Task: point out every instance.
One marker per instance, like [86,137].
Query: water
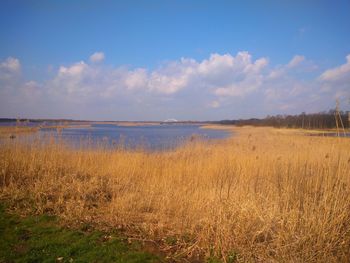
[152,137]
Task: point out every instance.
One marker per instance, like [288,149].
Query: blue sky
[153,60]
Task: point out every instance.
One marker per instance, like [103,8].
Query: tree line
[321,120]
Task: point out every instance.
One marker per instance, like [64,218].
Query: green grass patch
[41,239]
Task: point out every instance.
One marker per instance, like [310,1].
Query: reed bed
[8,131]
[266,195]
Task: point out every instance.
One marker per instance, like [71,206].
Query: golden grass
[6,131]
[265,195]
[12,131]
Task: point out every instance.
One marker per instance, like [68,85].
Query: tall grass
[263,196]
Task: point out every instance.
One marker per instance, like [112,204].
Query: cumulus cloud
[172,77]
[71,79]
[97,57]
[184,85]
[335,81]
[246,77]
[219,74]
[136,79]
[9,68]
[341,73]
[11,64]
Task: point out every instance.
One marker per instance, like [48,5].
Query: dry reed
[262,196]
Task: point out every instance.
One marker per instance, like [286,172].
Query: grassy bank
[42,239]
[13,131]
[261,196]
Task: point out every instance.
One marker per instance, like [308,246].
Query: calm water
[154,137]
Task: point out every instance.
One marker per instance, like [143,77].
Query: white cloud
[11,64]
[71,79]
[31,90]
[226,79]
[340,73]
[335,82]
[296,60]
[10,69]
[239,76]
[166,84]
[97,57]
[173,76]
[74,70]
[136,79]
[242,88]
[218,64]
[223,75]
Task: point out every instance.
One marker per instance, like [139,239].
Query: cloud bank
[220,86]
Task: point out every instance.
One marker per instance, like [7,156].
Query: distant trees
[321,120]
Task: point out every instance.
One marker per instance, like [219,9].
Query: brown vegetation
[7,131]
[12,131]
[262,196]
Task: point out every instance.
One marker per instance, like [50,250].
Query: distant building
[169,121]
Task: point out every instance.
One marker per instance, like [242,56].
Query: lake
[151,137]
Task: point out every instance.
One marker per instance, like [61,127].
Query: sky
[188,60]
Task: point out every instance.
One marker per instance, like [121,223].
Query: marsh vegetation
[265,195]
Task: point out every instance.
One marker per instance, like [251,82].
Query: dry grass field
[7,131]
[265,195]
[13,131]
